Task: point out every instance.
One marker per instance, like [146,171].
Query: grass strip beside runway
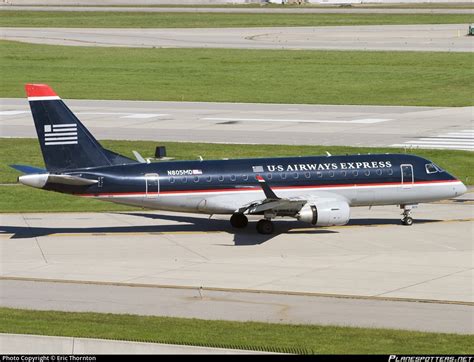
[240,335]
[117,19]
[26,151]
[238,75]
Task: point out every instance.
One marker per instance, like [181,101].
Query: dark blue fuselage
[279,172]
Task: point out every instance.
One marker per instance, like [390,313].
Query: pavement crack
[36,240]
[423,282]
[186,248]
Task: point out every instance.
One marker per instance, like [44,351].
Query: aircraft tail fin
[65,142]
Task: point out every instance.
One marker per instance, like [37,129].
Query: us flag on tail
[60,134]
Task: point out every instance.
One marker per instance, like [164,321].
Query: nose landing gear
[407,220]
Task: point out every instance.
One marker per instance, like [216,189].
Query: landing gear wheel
[406,215]
[239,220]
[265,227]
[408,221]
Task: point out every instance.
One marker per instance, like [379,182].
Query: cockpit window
[438,168]
[430,168]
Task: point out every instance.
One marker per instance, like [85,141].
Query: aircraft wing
[272,202]
[321,209]
[282,206]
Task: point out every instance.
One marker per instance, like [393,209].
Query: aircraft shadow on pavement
[378,222]
[242,237]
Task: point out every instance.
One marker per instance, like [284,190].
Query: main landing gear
[265,227]
[240,221]
[406,215]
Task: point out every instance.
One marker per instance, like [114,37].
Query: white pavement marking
[365,121]
[12,113]
[460,140]
[122,114]
[142,115]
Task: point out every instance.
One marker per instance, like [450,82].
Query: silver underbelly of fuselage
[226,202]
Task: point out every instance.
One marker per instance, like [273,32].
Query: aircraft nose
[460,189]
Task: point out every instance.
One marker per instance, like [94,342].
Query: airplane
[318,190]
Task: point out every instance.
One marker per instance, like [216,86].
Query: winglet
[266,189]
[43,92]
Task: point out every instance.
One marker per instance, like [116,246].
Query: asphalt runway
[294,124]
[373,265]
[249,10]
[442,37]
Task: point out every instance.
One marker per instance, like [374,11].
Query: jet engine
[325,213]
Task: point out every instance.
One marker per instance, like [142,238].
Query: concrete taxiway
[440,37]
[236,305]
[411,127]
[374,266]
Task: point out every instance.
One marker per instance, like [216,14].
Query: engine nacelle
[325,213]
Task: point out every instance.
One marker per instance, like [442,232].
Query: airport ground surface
[137,252]
[373,272]
[440,37]
[245,10]
[425,127]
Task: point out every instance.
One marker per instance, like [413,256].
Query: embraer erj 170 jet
[319,190]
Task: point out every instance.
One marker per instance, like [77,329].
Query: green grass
[437,5]
[119,19]
[18,198]
[232,75]
[248,335]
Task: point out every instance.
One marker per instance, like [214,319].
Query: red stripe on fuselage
[253,188]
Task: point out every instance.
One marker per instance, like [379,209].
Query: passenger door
[152,185]
[407,176]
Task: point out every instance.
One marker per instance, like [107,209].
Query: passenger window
[269,176]
[331,173]
[232,177]
[209,178]
[319,174]
[283,176]
[184,179]
[295,175]
[430,168]
[390,172]
[379,172]
[344,173]
[245,177]
[355,173]
[307,175]
[220,178]
[196,179]
[367,172]
[171,180]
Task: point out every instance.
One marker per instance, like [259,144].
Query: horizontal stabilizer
[39,180]
[139,157]
[70,180]
[28,169]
